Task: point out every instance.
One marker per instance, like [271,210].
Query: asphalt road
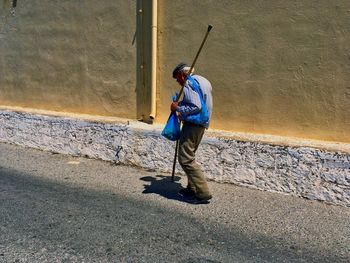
[57,208]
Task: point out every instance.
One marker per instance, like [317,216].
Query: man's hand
[174,106]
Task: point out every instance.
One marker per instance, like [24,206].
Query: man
[194,101]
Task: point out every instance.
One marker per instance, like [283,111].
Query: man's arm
[191,102]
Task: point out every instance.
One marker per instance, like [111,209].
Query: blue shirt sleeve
[191,102]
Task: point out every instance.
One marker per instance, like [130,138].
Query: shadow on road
[42,219]
[163,186]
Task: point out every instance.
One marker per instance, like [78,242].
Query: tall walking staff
[181,91]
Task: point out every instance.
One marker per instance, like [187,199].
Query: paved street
[57,208]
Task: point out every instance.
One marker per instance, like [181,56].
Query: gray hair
[182,67]
[187,70]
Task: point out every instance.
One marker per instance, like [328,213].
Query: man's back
[206,88]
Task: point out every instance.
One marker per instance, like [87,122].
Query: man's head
[180,72]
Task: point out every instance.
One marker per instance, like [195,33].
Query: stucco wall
[277,67]
[73,56]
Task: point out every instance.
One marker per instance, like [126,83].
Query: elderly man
[197,99]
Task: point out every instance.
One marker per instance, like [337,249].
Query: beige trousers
[191,136]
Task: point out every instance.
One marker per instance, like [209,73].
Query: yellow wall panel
[72,56]
[277,67]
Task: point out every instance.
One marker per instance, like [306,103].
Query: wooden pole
[181,91]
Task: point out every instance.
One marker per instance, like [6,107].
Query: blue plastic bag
[171,130]
[201,117]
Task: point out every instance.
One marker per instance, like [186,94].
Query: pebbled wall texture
[316,174]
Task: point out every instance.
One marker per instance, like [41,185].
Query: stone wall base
[317,174]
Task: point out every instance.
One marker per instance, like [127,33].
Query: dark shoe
[199,201]
[187,192]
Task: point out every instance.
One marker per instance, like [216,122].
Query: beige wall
[73,56]
[277,67]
